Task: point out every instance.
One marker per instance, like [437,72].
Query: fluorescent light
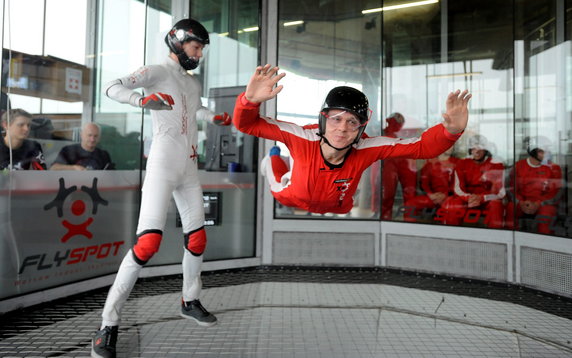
[292,23]
[463,74]
[223,34]
[251,29]
[400,6]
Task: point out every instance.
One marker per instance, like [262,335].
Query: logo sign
[75,230]
[78,208]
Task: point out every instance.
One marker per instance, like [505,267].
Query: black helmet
[348,99]
[183,31]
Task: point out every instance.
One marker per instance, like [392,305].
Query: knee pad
[196,241]
[147,244]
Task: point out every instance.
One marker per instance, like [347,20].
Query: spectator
[478,187]
[85,155]
[534,185]
[437,183]
[16,151]
[394,171]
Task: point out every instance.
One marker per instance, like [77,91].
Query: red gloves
[157,101]
[222,119]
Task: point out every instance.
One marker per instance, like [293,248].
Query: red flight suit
[484,179]
[436,177]
[536,183]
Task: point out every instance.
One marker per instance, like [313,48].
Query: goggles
[336,121]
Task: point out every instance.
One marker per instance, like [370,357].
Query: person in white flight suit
[173,96]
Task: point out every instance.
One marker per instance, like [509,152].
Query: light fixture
[400,6]
[462,74]
[251,29]
[292,23]
[223,34]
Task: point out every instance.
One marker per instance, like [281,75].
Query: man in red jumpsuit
[437,183]
[330,157]
[534,184]
[395,170]
[478,188]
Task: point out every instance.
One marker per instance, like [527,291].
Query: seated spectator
[85,155]
[437,183]
[534,186]
[478,187]
[16,151]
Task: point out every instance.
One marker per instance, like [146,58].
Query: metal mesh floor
[307,312]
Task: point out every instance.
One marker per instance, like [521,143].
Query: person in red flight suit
[395,170]
[329,157]
[534,184]
[478,188]
[437,183]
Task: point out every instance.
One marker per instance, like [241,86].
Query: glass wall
[540,180]
[42,74]
[62,226]
[229,158]
[511,167]
[322,45]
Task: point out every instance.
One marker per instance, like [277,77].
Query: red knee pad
[196,241]
[147,244]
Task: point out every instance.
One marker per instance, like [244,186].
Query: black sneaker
[103,344]
[195,311]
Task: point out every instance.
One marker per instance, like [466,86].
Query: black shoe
[103,344]
[195,311]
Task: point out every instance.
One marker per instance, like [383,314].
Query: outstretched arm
[262,84]
[457,114]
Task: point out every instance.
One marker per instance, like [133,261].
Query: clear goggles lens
[337,120]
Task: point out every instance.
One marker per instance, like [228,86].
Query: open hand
[457,114]
[261,86]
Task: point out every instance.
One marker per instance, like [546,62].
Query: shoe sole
[200,323]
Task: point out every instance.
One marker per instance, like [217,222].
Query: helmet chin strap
[188,63]
[328,143]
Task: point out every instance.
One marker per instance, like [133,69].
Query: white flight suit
[171,170]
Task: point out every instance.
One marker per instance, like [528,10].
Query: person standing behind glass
[395,171]
[16,151]
[85,155]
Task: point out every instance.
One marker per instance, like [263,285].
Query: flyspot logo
[77,209]
[74,220]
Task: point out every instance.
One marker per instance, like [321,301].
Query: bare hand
[457,114]
[474,200]
[261,86]
[437,198]
[529,207]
